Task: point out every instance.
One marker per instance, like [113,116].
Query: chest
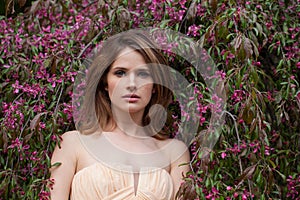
[135,153]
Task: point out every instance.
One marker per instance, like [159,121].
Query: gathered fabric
[101,182]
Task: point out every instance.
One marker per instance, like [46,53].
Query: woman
[123,150]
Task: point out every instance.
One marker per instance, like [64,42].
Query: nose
[131,86]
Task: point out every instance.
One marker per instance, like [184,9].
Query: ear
[153,91]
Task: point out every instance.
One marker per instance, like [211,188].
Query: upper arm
[63,174]
[180,165]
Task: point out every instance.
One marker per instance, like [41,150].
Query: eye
[120,73]
[144,74]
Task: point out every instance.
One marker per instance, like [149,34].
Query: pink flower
[244,197]
[223,155]
[269,96]
[15,143]
[221,74]
[228,188]
[298,96]
[42,125]
[235,195]
[238,96]
[241,121]
[194,30]
[229,57]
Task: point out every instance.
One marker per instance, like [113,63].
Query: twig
[238,137]
[235,127]
[89,44]
[56,107]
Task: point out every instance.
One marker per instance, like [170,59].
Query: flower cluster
[293,185]
[255,48]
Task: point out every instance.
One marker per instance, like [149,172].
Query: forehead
[129,58]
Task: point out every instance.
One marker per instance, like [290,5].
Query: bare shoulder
[71,135]
[65,150]
[174,148]
[179,144]
[70,138]
[172,143]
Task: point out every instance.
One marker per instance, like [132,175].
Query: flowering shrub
[255,45]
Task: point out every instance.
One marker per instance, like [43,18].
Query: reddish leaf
[41,137]
[9,8]
[21,2]
[253,125]
[101,3]
[248,47]
[186,191]
[191,13]
[5,140]
[248,115]
[246,174]
[27,137]
[214,4]
[53,65]
[2,85]
[35,121]
[236,42]
[34,6]
[270,180]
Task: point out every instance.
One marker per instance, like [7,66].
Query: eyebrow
[124,68]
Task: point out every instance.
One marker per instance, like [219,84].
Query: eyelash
[144,74]
[121,73]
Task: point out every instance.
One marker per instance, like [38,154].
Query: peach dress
[99,181]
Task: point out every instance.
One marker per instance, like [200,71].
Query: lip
[131,96]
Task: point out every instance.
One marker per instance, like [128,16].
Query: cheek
[112,86]
[148,89]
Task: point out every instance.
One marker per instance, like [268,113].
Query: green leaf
[259,29]
[57,164]
[164,23]
[280,174]
[259,178]
[272,163]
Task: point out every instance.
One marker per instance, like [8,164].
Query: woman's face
[129,82]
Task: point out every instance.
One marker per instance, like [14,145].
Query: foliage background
[254,43]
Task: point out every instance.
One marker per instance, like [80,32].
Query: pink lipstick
[131,98]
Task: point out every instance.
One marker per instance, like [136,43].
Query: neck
[129,123]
